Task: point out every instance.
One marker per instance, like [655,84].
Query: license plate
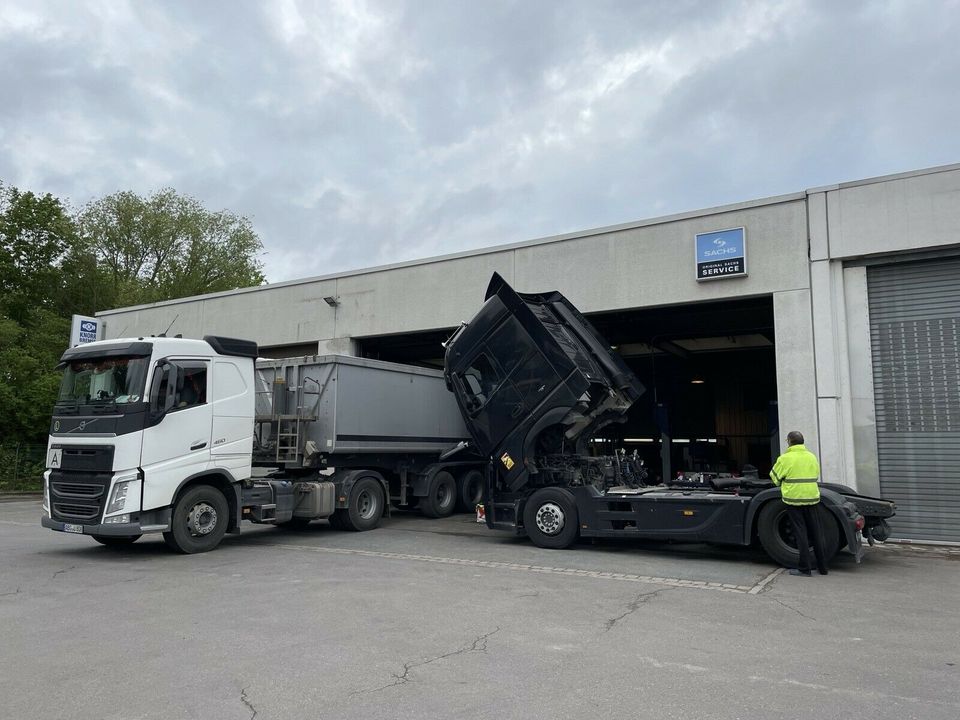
[67,527]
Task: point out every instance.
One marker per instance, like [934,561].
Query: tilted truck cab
[535,382]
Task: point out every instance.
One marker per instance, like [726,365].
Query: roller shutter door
[915,336]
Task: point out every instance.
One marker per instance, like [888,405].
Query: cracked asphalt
[445,619]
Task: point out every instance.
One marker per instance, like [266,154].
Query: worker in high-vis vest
[797,472]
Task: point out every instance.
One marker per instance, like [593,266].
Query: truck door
[492,403]
[176,445]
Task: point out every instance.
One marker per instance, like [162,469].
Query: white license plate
[67,527]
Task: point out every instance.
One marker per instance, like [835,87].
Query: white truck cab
[141,424]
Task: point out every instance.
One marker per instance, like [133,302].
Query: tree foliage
[120,250]
[144,250]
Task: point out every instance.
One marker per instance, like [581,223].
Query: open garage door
[710,374]
[915,338]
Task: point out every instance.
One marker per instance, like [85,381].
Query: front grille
[77,490]
[78,496]
[76,512]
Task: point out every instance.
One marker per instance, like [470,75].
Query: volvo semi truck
[190,437]
[535,383]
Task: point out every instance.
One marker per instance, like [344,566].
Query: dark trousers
[806,528]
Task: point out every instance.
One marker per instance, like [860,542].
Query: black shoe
[801,573]
[823,571]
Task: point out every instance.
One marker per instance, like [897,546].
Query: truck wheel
[441,497]
[365,507]
[199,521]
[116,540]
[470,486]
[776,534]
[550,518]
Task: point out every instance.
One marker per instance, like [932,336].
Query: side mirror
[161,391]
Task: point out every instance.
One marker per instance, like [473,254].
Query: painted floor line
[756,589]
[543,569]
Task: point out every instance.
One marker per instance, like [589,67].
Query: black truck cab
[535,382]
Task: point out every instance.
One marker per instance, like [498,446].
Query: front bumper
[154,521]
[111,529]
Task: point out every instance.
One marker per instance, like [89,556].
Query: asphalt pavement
[446,619]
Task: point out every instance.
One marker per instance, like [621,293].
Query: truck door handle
[518,408]
[198,446]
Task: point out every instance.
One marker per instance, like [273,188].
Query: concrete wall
[627,266]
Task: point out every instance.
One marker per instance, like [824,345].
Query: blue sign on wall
[721,254]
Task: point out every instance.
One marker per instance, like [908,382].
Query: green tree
[137,250]
[36,232]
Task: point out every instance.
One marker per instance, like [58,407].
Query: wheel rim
[550,518]
[202,519]
[367,504]
[785,531]
[443,495]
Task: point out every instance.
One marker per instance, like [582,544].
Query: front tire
[199,521]
[550,518]
[116,540]
[777,538]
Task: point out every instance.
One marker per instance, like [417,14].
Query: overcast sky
[360,133]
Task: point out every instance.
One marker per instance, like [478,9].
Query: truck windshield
[115,380]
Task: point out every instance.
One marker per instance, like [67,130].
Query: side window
[479,381]
[191,384]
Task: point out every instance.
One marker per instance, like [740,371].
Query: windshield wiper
[66,406]
[101,405]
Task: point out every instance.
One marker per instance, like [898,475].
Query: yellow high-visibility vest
[796,472]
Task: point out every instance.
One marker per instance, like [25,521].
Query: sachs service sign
[721,254]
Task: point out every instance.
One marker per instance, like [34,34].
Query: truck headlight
[119,498]
[125,496]
[46,491]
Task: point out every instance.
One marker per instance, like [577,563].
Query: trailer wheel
[550,518]
[199,520]
[470,486]
[116,540]
[365,507]
[441,497]
[778,540]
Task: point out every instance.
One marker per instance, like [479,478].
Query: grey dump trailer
[535,382]
[365,433]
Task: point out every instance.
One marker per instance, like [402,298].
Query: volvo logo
[56,426]
[82,425]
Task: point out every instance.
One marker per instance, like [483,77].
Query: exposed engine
[603,472]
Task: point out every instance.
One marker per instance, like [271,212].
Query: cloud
[359,133]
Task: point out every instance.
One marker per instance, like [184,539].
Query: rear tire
[550,518]
[441,498]
[470,491]
[199,521]
[365,508]
[776,534]
[116,540]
